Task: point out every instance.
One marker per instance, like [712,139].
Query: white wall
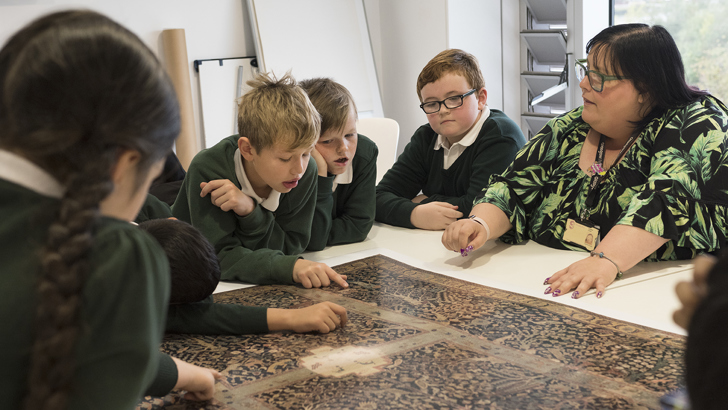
[214,29]
[412,32]
[475,26]
[405,35]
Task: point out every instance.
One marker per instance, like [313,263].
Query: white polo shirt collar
[452,153]
[345,177]
[20,171]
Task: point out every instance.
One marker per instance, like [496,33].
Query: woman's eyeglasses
[596,79]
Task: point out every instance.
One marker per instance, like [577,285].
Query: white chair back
[385,133]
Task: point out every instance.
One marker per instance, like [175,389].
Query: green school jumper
[347,214]
[208,318]
[153,208]
[258,248]
[205,317]
[420,168]
[124,305]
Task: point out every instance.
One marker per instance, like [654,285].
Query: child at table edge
[347,169]
[452,157]
[253,195]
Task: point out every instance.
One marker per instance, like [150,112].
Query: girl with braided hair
[87,116]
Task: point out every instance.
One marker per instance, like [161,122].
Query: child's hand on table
[435,216]
[323,317]
[199,382]
[315,275]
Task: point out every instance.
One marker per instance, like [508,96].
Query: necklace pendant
[597,169]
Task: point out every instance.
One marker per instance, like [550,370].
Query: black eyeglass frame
[580,64]
[441,103]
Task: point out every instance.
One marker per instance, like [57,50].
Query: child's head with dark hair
[706,355]
[193,262]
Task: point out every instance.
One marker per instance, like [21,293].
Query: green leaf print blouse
[673,182]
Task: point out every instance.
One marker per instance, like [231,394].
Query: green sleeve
[153,208]
[207,318]
[244,254]
[166,377]
[404,181]
[125,304]
[288,229]
[494,150]
[356,204]
[322,216]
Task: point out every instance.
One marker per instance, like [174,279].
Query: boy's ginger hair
[451,61]
[332,100]
[277,111]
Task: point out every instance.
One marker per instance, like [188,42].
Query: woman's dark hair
[193,261]
[650,58]
[77,90]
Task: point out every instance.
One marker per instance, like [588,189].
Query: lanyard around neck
[598,177]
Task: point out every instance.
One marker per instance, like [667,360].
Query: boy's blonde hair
[332,100]
[277,111]
[451,61]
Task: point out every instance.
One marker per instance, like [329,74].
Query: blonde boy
[347,169]
[253,195]
[451,158]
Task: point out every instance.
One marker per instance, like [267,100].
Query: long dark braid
[77,89]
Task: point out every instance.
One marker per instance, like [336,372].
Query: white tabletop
[646,294]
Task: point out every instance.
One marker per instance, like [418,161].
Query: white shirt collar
[18,170]
[470,137]
[345,177]
[270,203]
[452,152]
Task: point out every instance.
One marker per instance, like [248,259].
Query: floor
[421,340]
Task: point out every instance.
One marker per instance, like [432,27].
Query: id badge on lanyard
[583,232]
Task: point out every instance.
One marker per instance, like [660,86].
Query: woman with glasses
[639,172]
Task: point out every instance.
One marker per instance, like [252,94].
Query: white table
[645,296]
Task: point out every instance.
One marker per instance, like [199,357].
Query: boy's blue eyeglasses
[455,101]
[596,79]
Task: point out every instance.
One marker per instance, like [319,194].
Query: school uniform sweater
[261,247]
[347,214]
[209,318]
[420,168]
[153,208]
[124,305]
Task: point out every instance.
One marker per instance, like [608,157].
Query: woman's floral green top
[672,182]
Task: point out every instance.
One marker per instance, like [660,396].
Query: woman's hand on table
[588,273]
[462,234]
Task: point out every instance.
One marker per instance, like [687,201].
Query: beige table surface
[644,296]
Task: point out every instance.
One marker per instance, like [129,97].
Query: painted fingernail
[469,248]
[547,291]
[546,282]
[575,295]
[557,292]
[599,295]
[462,250]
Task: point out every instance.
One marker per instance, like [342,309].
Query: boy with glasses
[449,160]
